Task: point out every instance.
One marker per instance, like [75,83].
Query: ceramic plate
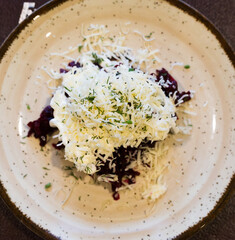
[202,165]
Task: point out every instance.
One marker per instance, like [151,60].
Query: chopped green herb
[96,59]
[28,107]
[144,128]
[22,142]
[131,69]
[25,176]
[186,66]
[68,168]
[80,48]
[48,185]
[128,122]
[68,89]
[81,158]
[79,198]
[119,110]
[90,99]
[87,170]
[45,168]
[72,174]
[99,110]
[150,35]
[149,116]
[136,105]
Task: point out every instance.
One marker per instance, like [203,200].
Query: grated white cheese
[108,108]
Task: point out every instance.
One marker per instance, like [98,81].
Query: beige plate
[202,166]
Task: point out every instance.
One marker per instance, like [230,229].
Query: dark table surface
[222,14]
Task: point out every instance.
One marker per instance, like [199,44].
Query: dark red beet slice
[70,64]
[121,160]
[62,70]
[73,64]
[116,196]
[170,87]
[40,128]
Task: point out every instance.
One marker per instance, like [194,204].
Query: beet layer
[41,128]
[170,86]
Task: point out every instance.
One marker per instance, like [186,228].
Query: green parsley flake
[45,168]
[186,66]
[48,185]
[150,35]
[72,174]
[97,60]
[128,122]
[80,48]
[144,128]
[88,170]
[68,89]
[28,107]
[90,99]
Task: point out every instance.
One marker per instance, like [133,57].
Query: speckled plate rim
[229,191]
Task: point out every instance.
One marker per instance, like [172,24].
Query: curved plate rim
[186,8]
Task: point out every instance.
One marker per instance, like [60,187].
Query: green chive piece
[150,35]
[128,122]
[67,89]
[131,69]
[48,185]
[80,48]
[186,66]
[96,59]
[28,107]
[90,98]
[45,168]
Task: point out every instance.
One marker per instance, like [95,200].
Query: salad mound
[111,116]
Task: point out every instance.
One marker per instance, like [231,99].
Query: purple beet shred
[116,196]
[70,64]
[74,64]
[122,158]
[62,70]
[170,86]
[40,128]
